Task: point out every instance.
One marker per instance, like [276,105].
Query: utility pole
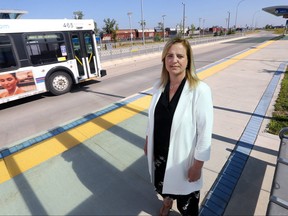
[163,16]
[228,20]
[129,15]
[200,26]
[203,27]
[183,20]
[142,23]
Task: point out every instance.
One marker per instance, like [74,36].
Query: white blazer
[191,135]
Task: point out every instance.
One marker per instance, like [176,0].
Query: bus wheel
[59,83]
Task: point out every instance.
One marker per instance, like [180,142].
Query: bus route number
[68,25]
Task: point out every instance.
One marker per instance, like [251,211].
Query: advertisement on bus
[16,83]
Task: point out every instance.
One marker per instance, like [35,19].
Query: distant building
[11,14]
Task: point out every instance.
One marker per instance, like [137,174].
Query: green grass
[280,114]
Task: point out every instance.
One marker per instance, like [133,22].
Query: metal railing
[278,202]
[136,50]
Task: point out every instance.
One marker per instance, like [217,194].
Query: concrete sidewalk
[105,172]
[243,102]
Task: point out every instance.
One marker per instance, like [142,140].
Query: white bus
[37,56]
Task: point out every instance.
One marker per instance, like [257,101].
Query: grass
[280,114]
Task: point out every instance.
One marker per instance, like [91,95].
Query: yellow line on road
[219,67]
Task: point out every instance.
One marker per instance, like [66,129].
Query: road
[35,115]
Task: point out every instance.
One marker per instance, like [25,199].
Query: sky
[206,13]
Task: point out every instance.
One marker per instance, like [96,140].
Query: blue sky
[214,12]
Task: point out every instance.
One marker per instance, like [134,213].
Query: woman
[179,131]
[9,82]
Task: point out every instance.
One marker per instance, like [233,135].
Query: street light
[237,13]
[253,20]
[163,16]
[183,20]
[142,23]
[129,15]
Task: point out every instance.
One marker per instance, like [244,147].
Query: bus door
[84,53]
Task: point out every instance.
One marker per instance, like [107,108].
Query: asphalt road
[34,115]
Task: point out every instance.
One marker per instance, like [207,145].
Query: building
[11,14]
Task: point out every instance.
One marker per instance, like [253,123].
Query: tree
[161,25]
[192,29]
[180,28]
[110,26]
[78,15]
[268,27]
[96,30]
[142,24]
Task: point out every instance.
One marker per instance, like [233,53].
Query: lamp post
[129,15]
[142,23]
[183,20]
[237,12]
[252,25]
[163,16]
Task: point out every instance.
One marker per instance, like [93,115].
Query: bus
[48,55]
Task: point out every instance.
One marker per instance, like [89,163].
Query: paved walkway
[96,166]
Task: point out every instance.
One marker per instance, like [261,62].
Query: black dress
[164,112]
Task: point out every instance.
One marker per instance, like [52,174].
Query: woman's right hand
[145,146]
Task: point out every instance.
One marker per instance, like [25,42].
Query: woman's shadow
[116,190]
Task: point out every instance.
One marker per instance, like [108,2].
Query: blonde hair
[190,73]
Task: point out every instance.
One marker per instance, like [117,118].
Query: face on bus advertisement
[16,83]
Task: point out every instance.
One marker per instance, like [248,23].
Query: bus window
[77,53]
[46,48]
[7,59]
[84,53]
[90,51]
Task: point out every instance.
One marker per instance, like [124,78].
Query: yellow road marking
[4,174]
[30,157]
[219,67]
